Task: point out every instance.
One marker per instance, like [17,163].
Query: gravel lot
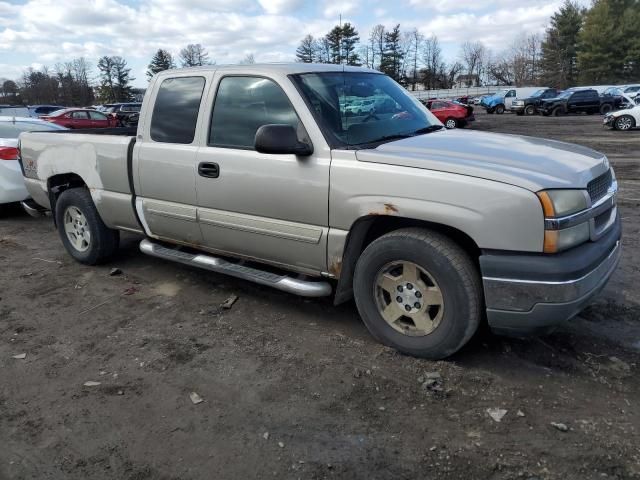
[296,388]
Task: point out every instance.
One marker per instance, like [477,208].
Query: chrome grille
[599,186]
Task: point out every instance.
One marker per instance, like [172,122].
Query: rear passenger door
[269,207]
[80,120]
[165,159]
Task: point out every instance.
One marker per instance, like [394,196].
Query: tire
[448,268]
[520,114]
[605,108]
[529,110]
[500,109]
[556,112]
[451,123]
[624,123]
[101,242]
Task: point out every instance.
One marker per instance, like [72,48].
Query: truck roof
[281,68]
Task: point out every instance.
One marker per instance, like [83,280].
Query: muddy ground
[296,388]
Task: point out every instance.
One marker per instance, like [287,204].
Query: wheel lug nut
[399,299]
[400,288]
[418,294]
[409,286]
[407,308]
[417,305]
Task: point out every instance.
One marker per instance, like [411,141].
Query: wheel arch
[60,182]
[371,227]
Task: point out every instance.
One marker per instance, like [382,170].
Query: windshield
[359,109]
[537,93]
[566,94]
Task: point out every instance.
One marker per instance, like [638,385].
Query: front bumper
[517,108]
[608,121]
[531,294]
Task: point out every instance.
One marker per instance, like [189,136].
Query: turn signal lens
[547,204]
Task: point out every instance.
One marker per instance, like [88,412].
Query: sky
[43,32]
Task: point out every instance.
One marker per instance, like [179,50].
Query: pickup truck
[576,101]
[255,171]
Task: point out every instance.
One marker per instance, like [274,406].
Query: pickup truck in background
[576,101]
[257,171]
[501,101]
[530,104]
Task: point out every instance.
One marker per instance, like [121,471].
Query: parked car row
[451,114]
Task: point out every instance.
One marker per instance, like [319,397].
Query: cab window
[175,113]
[244,104]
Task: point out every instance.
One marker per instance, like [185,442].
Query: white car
[623,119]
[12,187]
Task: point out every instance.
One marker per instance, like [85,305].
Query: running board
[304,288]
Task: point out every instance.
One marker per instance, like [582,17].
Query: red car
[452,114]
[80,118]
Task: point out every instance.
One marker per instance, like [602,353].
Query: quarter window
[244,104]
[175,112]
[79,115]
[97,116]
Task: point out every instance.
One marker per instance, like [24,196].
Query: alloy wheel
[408,298]
[77,229]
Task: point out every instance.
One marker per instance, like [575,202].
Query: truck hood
[527,162]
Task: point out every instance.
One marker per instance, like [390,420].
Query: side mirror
[280,140]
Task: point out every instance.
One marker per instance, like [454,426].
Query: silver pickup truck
[264,172]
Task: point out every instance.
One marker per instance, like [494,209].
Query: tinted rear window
[175,112]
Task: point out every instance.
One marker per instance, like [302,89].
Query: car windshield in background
[13,130]
[360,109]
[537,93]
[567,94]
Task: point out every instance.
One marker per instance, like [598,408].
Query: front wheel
[530,110]
[500,109]
[556,112]
[451,123]
[624,122]
[84,235]
[418,292]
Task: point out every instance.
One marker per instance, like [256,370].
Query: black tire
[557,112]
[605,108]
[453,271]
[530,110]
[624,123]
[103,240]
[500,109]
[451,123]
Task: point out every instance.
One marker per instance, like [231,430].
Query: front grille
[599,186]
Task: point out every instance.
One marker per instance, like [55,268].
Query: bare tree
[376,39]
[474,55]
[432,60]
[248,59]
[194,55]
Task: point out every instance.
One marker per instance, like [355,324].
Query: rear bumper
[531,294]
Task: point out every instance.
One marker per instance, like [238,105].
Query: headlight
[562,203]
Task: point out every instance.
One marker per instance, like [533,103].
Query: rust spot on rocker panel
[335,267]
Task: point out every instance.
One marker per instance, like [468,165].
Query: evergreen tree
[392,55]
[560,46]
[349,40]
[115,79]
[334,42]
[609,45]
[306,51]
[162,60]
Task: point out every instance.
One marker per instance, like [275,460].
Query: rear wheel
[557,112]
[624,122]
[418,292]
[500,109]
[451,123]
[83,233]
[530,110]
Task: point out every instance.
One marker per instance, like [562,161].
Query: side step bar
[33,209]
[298,286]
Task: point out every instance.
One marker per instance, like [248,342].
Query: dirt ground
[295,388]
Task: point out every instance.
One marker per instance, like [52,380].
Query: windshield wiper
[429,129]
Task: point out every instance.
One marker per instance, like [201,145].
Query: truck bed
[101,158]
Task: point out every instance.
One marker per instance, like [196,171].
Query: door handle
[209,170]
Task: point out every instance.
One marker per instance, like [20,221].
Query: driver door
[273,208]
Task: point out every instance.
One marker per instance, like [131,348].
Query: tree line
[76,82]
[581,46]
